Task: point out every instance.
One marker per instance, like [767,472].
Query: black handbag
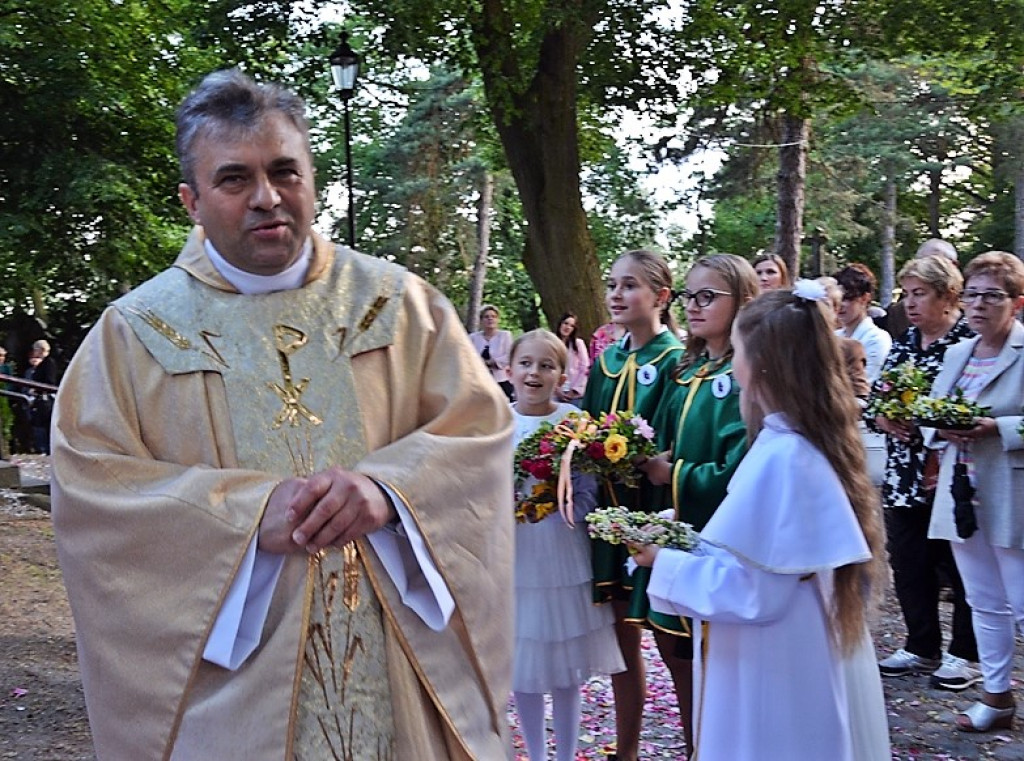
[963,502]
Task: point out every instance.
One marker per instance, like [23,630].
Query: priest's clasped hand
[330,508]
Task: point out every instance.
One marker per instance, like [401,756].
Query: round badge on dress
[721,386]
[647,374]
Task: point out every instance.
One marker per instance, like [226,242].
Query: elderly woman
[990,370]
[43,369]
[931,288]
[493,346]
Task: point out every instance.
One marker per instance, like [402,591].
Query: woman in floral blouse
[931,288]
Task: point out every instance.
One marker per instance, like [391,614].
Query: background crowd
[685,383]
[379,466]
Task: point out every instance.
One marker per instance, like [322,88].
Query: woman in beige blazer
[990,369]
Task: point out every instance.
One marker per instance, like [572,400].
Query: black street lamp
[344,70]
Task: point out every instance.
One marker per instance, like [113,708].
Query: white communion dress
[562,637]
[769,683]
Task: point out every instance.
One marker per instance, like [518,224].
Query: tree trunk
[934,198]
[483,248]
[1018,210]
[888,256]
[538,130]
[791,180]
[39,306]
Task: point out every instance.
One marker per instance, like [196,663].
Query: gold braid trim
[626,376]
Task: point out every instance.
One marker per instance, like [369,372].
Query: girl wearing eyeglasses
[990,370]
[699,423]
[631,374]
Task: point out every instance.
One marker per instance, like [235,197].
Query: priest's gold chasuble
[286,364]
[185,406]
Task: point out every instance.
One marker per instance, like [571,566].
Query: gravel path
[42,713]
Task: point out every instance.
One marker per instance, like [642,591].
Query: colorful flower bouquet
[898,388]
[606,446]
[954,412]
[616,525]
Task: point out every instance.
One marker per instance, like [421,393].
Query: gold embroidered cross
[288,340]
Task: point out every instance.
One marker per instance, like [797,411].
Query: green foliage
[88,176]
[88,89]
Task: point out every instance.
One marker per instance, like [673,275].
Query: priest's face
[253,194]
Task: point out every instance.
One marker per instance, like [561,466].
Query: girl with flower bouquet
[700,425]
[631,374]
[780,582]
[562,639]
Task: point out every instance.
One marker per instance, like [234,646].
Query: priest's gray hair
[228,102]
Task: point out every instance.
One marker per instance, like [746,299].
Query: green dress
[699,420]
[634,380]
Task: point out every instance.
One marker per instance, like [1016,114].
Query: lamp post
[344,70]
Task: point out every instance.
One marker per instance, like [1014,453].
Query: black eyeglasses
[987,297]
[704,297]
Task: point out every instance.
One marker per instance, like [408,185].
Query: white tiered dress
[562,637]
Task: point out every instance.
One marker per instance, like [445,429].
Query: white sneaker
[954,674]
[901,662]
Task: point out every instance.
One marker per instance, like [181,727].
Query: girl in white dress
[782,578]
[562,638]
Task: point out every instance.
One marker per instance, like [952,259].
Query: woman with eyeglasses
[932,286]
[858,284]
[989,369]
[493,346]
[699,423]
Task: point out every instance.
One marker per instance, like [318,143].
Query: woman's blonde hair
[1006,268]
[937,272]
[741,282]
[656,275]
[796,364]
[546,337]
[779,262]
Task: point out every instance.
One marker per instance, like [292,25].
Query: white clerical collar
[251,284]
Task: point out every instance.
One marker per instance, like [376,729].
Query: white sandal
[982,717]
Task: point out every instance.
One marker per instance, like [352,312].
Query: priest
[281,486]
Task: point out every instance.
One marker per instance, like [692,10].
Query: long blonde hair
[795,362]
[741,281]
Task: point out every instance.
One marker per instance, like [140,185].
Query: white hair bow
[810,290]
